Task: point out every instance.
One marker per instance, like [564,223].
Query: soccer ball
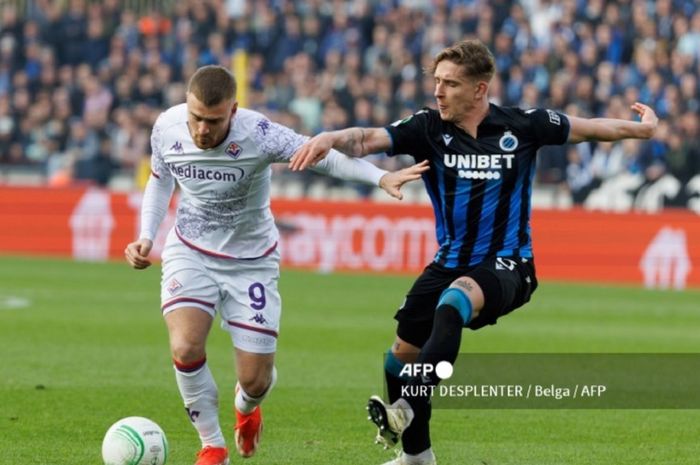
[135,441]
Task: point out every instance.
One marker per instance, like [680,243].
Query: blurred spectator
[129,140]
[551,165]
[652,157]
[97,43]
[99,167]
[308,106]
[579,176]
[76,73]
[608,161]
[73,33]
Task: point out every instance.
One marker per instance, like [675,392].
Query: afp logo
[508,142]
[442,369]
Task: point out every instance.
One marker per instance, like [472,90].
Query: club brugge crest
[508,142]
[233,150]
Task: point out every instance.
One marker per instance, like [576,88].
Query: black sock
[443,344]
[393,386]
[444,341]
[416,438]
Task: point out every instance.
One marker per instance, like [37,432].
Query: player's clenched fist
[136,253]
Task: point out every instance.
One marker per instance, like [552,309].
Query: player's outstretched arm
[609,129]
[136,253]
[355,142]
[393,180]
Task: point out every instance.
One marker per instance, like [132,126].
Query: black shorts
[507,283]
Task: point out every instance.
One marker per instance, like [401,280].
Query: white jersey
[224,206]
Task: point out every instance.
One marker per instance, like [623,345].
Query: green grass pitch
[82,345]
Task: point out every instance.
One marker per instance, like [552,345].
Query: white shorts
[244,292]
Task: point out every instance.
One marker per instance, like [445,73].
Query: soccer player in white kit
[222,253]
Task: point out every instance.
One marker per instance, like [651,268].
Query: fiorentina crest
[233,150]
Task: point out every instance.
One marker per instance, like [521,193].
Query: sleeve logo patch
[554,117]
[263,126]
[177,147]
[402,121]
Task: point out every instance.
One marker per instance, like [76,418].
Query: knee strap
[459,300]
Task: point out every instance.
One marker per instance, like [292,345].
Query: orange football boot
[248,431]
[212,456]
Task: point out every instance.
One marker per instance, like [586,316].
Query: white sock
[246,403]
[424,457]
[403,405]
[200,394]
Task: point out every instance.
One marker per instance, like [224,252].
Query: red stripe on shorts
[187,299]
[269,332]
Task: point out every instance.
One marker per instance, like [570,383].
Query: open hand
[645,113]
[311,152]
[392,181]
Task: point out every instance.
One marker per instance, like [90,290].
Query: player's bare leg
[256,378]
[188,328]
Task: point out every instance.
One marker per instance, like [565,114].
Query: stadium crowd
[81,82]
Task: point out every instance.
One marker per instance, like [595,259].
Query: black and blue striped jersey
[480,188]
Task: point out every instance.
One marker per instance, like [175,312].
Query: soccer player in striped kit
[222,255]
[482,164]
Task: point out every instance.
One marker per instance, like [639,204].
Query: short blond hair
[472,55]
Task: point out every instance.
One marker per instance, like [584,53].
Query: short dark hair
[212,84]
[472,55]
